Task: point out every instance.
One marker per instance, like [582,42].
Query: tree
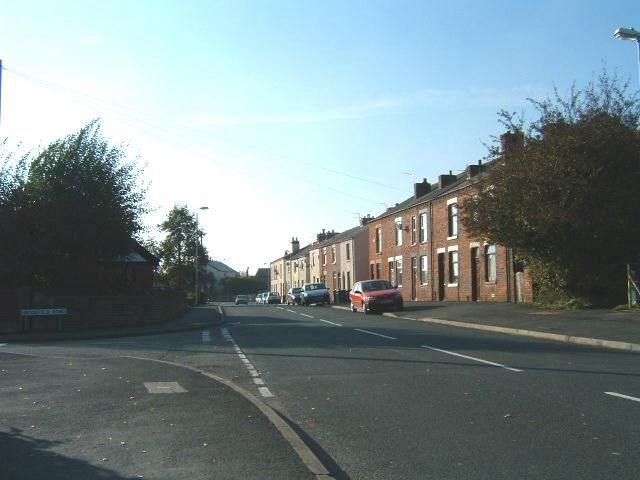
[565,196]
[178,249]
[238,285]
[76,204]
[13,258]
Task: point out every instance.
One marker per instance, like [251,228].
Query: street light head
[627,34]
[203,208]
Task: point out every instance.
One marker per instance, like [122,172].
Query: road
[374,397]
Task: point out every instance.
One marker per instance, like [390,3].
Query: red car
[370,295]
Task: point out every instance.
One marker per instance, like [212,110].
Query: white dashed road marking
[471,358]
[376,334]
[255,375]
[327,321]
[206,336]
[305,315]
[3,344]
[620,395]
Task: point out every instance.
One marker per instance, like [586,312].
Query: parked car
[375,295]
[293,296]
[259,297]
[271,297]
[314,293]
[242,299]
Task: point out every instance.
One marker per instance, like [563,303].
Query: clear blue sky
[287,117]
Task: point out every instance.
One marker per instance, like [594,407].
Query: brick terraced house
[421,246]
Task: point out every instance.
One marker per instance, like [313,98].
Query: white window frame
[424,229]
[490,263]
[398,222]
[424,270]
[452,227]
[453,249]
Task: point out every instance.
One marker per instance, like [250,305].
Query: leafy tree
[13,258]
[178,249]
[238,285]
[565,195]
[75,204]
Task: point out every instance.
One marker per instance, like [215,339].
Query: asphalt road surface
[374,398]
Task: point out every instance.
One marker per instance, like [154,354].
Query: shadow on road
[25,457]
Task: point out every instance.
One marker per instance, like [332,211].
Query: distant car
[242,299]
[259,298]
[271,297]
[375,295]
[293,296]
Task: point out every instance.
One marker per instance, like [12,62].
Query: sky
[285,118]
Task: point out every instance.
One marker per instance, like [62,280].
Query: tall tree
[565,195]
[178,249]
[79,203]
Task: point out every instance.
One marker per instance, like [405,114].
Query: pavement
[618,330]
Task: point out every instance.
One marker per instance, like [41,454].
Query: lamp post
[196,262]
[629,34]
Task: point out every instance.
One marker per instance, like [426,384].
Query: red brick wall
[502,289]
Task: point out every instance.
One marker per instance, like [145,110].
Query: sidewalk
[597,327]
[203,316]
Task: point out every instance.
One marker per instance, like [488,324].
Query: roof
[462,181]
[221,267]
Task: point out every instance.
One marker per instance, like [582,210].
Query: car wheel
[400,307]
[365,310]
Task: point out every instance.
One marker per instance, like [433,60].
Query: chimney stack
[446,180]
[421,189]
[295,245]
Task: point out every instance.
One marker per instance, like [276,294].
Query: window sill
[452,284]
[455,237]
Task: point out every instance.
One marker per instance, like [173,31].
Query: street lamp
[629,34]
[197,242]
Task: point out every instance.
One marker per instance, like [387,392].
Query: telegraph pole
[0,90]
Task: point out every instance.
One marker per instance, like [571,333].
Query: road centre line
[620,395]
[305,315]
[332,323]
[290,311]
[376,334]
[472,358]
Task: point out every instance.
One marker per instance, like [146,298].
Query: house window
[348,281]
[379,240]
[378,270]
[399,272]
[333,254]
[453,220]
[413,231]
[371,276]
[453,267]
[348,251]
[490,263]
[423,227]
[335,283]
[324,256]
[392,271]
[424,270]
[398,231]
[313,260]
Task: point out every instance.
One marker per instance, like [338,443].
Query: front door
[474,274]
[441,277]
